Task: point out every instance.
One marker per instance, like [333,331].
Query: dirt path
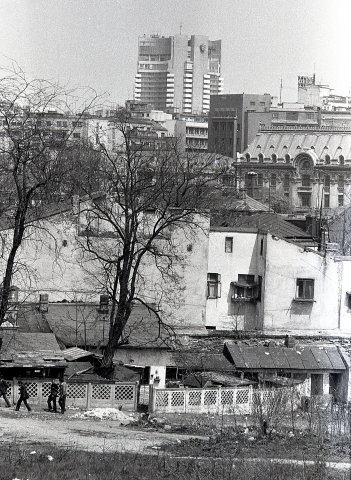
[83,434]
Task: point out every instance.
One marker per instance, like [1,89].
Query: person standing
[63,395]
[54,391]
[3,390]
[24,395]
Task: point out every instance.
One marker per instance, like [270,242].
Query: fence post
[89,395]
[152,399]
[219,396]
[136,395]
[251,407]
[112,394]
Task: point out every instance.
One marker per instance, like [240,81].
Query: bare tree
[33,155]
[148,196]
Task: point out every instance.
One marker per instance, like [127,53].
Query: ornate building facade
[308,169]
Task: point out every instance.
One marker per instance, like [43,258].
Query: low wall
[84,395]
[199,400]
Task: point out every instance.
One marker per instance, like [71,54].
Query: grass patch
[17,461]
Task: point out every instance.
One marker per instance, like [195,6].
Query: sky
[94,42]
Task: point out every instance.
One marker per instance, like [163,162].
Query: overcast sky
[94,42]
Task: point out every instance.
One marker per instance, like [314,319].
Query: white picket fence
[212,400]
[84,395]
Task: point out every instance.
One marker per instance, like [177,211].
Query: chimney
[75,204]
[103,307]
[43,303]
[290,341]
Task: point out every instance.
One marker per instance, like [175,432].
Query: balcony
[304,189]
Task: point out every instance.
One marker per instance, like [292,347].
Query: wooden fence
[83,395]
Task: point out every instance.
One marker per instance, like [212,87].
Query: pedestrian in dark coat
[24,395]
[63,395]
[3,390]
[54,391]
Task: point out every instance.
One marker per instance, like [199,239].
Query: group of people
[57,391]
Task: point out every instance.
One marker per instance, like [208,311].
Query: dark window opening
[213,285]
[304,289]
[228,245]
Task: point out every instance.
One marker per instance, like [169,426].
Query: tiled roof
[271,222]
[29,349]
[73,353]
[293,143]
[307,357]
[81,325]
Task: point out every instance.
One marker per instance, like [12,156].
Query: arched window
[260,158]
[287,158]
[248,157]
[306,165]
[327,159]
[341,159]
[274,158]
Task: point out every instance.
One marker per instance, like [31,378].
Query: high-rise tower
[178,73]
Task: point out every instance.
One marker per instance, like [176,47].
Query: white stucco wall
[52,263]
[245,258]
[286,262]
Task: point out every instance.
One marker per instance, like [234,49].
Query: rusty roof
[305,357]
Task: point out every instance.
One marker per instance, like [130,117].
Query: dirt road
[88,434]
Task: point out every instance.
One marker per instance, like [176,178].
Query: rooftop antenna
[280,90]
[180,28]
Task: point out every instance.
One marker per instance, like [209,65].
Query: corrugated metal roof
[283,358]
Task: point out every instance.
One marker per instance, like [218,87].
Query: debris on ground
[107,414]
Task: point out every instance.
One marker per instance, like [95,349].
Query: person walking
[54,391]
[3,390]
[63,395]
[24,395]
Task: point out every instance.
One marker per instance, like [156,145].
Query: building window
[286,181]
[341,160]
[274,158]
[326,201]
[213,285]
[260,180]
[287,158]
[247,156]
[327,159]
[304,289]
[341,181]
[305,199]
[76,135]
[228,180]
[273,181]
[228,245]
[327,182]
[305,181]
[245,289]
[340,200]
[260,158]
